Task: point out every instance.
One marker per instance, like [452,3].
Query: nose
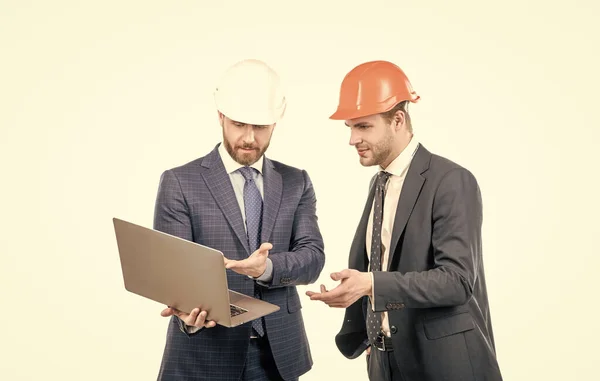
[249,135]
[354,137]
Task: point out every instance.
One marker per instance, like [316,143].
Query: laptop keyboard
[235,310]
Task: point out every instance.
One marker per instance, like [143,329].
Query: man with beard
[415,292]
[262,215]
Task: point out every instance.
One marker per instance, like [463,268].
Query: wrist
[368,284]
[260,271]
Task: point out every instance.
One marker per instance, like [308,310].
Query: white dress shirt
[398,169]
[238,180]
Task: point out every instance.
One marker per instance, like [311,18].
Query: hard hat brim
[248,115]
[359,112]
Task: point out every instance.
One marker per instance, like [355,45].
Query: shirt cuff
[267,276]
[189,329]
[192,329]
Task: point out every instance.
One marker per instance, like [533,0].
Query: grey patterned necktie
[374,319]
[253,206]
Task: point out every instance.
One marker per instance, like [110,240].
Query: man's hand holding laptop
[195,318]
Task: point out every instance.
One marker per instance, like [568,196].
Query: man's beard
[245,158]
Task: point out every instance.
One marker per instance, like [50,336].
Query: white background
[98,98]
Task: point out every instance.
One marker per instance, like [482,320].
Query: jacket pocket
[448,325]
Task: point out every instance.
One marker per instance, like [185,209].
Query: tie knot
[382,177]
[247,172]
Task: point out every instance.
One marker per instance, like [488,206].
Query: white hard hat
[251,92]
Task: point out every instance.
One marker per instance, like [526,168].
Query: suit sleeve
[171,213]
[303,263]
[171,216]
[456,241]
[352,339]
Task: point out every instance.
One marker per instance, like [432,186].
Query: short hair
[402,106]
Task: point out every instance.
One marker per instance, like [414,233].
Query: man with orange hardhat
[262,215]
[414,294]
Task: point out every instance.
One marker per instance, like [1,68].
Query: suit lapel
[358,252]
[273,186]
[218,182]
[410,192]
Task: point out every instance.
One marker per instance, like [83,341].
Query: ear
[400,119]
[273,129]
[221,119]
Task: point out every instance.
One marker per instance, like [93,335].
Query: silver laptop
[183,275]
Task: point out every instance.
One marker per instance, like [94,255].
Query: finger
[327,297]
[346,273]
[340,275]
[167,312]
[323,289]
[331,295]
[265,247]
[210,324]
[173,311]
[342,302]
[261,253]
[369,350]
[190,318]
[232,263]
[199,317]
[315,296]
[311,293]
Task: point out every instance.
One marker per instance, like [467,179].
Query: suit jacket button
[388,306]
[393,329]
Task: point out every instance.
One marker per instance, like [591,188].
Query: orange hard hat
[371,88]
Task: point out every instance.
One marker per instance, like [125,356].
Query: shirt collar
[400,164]
[232,165]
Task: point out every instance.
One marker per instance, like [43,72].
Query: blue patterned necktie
[373,318]
[253,206]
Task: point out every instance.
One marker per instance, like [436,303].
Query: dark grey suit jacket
[434,290]
[197,202]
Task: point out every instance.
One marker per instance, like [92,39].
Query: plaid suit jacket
[196,201]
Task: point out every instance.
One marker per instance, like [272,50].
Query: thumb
[230,263]
[264,248]
[341,275]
